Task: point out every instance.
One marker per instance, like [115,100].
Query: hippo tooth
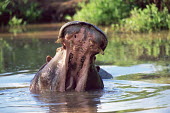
[60,40]
[71,43]
[101,52]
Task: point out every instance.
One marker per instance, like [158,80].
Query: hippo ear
[48,58]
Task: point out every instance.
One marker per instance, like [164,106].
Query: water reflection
[25,53]
[117,96]
[70,101]
[125,49]
[131,96]
[22,54]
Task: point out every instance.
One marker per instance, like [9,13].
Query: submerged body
[72,68]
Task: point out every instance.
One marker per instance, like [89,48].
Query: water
[22,54]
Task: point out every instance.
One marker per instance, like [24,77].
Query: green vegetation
[122,15]
[18,12]
[15,21]
[103,12]
[126,15]
[148,19]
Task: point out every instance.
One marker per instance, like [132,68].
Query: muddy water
[23,51]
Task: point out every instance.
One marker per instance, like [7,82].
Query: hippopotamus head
[72,68]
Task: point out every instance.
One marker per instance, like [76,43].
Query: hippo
[72,68]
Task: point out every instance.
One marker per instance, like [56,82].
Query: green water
[130,49]
[122,50]
[144,55]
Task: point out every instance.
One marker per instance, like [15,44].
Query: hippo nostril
[75,36]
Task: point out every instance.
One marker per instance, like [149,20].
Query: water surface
[23,51]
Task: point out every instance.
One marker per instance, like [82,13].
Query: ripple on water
[135,96]
[15,79]
[117,96]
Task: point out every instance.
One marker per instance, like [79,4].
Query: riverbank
[122,16]
[21,12]
[56,10]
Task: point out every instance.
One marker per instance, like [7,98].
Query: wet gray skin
[72,68]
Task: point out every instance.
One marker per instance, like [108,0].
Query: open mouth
[72,68]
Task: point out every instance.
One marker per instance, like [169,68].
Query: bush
[103,12]
[148,19]
[160,4]
[15,21]
[3,4]
[31,11]
[17,11]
